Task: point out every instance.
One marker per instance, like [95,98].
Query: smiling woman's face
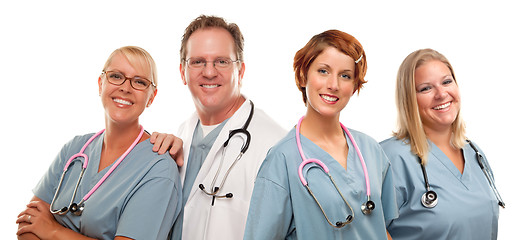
[330,82]
[124,104]
[437,94]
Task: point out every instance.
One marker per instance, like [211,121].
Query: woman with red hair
[323,180]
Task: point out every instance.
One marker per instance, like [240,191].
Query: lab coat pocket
[228,216]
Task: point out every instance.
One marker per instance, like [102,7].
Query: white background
[52,53]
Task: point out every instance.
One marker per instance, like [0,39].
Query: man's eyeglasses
[198,63]
[117,78]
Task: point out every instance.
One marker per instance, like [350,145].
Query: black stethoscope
[215,190]
[429,199]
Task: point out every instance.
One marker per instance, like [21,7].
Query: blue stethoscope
[366,208]
[430,199]
[214,190]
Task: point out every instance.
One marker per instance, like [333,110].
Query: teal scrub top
[466,209]
[199,149]
[282,208]
[140,199]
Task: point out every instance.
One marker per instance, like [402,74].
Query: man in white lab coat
[212,67]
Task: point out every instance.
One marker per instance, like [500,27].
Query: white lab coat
[226,219]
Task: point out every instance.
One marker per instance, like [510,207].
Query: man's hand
[163,141]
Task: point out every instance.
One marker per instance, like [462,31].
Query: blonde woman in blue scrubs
[140,199]
[328,70]
[431,132]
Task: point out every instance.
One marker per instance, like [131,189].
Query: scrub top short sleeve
[149,212]
[466,209]
[45,188]
[282,208]
[140,199]
[270,207]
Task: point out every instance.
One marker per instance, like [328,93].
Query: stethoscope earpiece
[340,224]
[63,211]
[429,199]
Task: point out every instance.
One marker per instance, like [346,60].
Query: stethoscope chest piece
[429,199]
[77,209]
[368,207]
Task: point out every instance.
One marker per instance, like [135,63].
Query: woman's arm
[37,222]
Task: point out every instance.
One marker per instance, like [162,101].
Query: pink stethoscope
[77,208]
[366,207]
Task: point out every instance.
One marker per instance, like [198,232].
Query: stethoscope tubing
[363,163]
[81,153]
[430,203]
[305,161]
[366,207]
[429,199]
[487,172]
[115,165]
[215,190]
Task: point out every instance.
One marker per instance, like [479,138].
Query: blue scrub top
[140,199]
[282,208]
[467,207]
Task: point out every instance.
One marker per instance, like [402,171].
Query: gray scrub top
[282,208]
[140,199]
[466,209]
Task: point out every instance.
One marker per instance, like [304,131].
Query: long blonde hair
[410,127]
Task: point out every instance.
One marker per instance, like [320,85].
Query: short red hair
[343,42]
